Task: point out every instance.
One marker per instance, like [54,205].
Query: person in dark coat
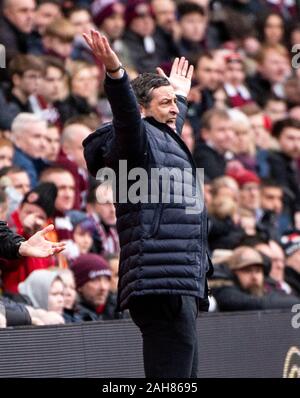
[244,290]
[290,243]
[163,259]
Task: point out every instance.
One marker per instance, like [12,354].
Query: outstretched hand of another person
[180,77]
[39,246]
[103,52]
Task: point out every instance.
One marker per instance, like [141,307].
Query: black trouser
[168,326]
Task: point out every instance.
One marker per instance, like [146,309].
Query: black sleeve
[182,106]
[127,121]
[9,242]
[16,313]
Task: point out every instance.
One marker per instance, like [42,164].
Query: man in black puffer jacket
[163,260]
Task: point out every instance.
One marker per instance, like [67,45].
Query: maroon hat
[243,177]
[137,8]
[88,267]
[102,9]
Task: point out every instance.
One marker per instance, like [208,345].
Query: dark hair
[189,8]
[280,125]
[270,183]
[144,84]
[24,62]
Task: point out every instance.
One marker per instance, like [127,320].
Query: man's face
[29,83]
[165,13]
[275,67]
[59,47]
[272,199]
[96,291]
[73,148]
[32,217]
[21,14]
[66,190]
[289,142]
[82,22]
[6,156]
[52,85]
[276,110]
[104,206]
[114,25]
[163,106]
[53,143]
[20,182]
[143,25]
[234,73]
[45,14]
[35,144]
[221,134]
[251,279]
[250,196]
[207,74]
[262,136]
[193,27]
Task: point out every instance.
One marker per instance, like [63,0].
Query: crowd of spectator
[242,127]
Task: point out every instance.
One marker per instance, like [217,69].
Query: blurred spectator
[58,39]
[167,30]
[244,290]
[273,69]
[290,243]
[6,153]
[70,312]
[29,134]
[81,19]
[71,159]
[193,24]
[235,87]
[275,253]
[139,36]
[201,97]
[15,25]
[53,143]
[100,206]
[187,136]
[46,12]
[218,134]
[113,261]
[271,28]
[275,108]
[109,17]
[85,233]
[283,167]
[18,179]
[244,143]
[93,279]
[44,289]
[25,73]
[34,213]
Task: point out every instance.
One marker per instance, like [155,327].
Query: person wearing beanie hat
[139,36]
[93,278]
[44,196]
[84,232]
[290,243]
[103,9]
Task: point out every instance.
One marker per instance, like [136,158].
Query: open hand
[39,246]
[102,50]
[180,77]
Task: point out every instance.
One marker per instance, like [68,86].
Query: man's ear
[16,79]
[142,110]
